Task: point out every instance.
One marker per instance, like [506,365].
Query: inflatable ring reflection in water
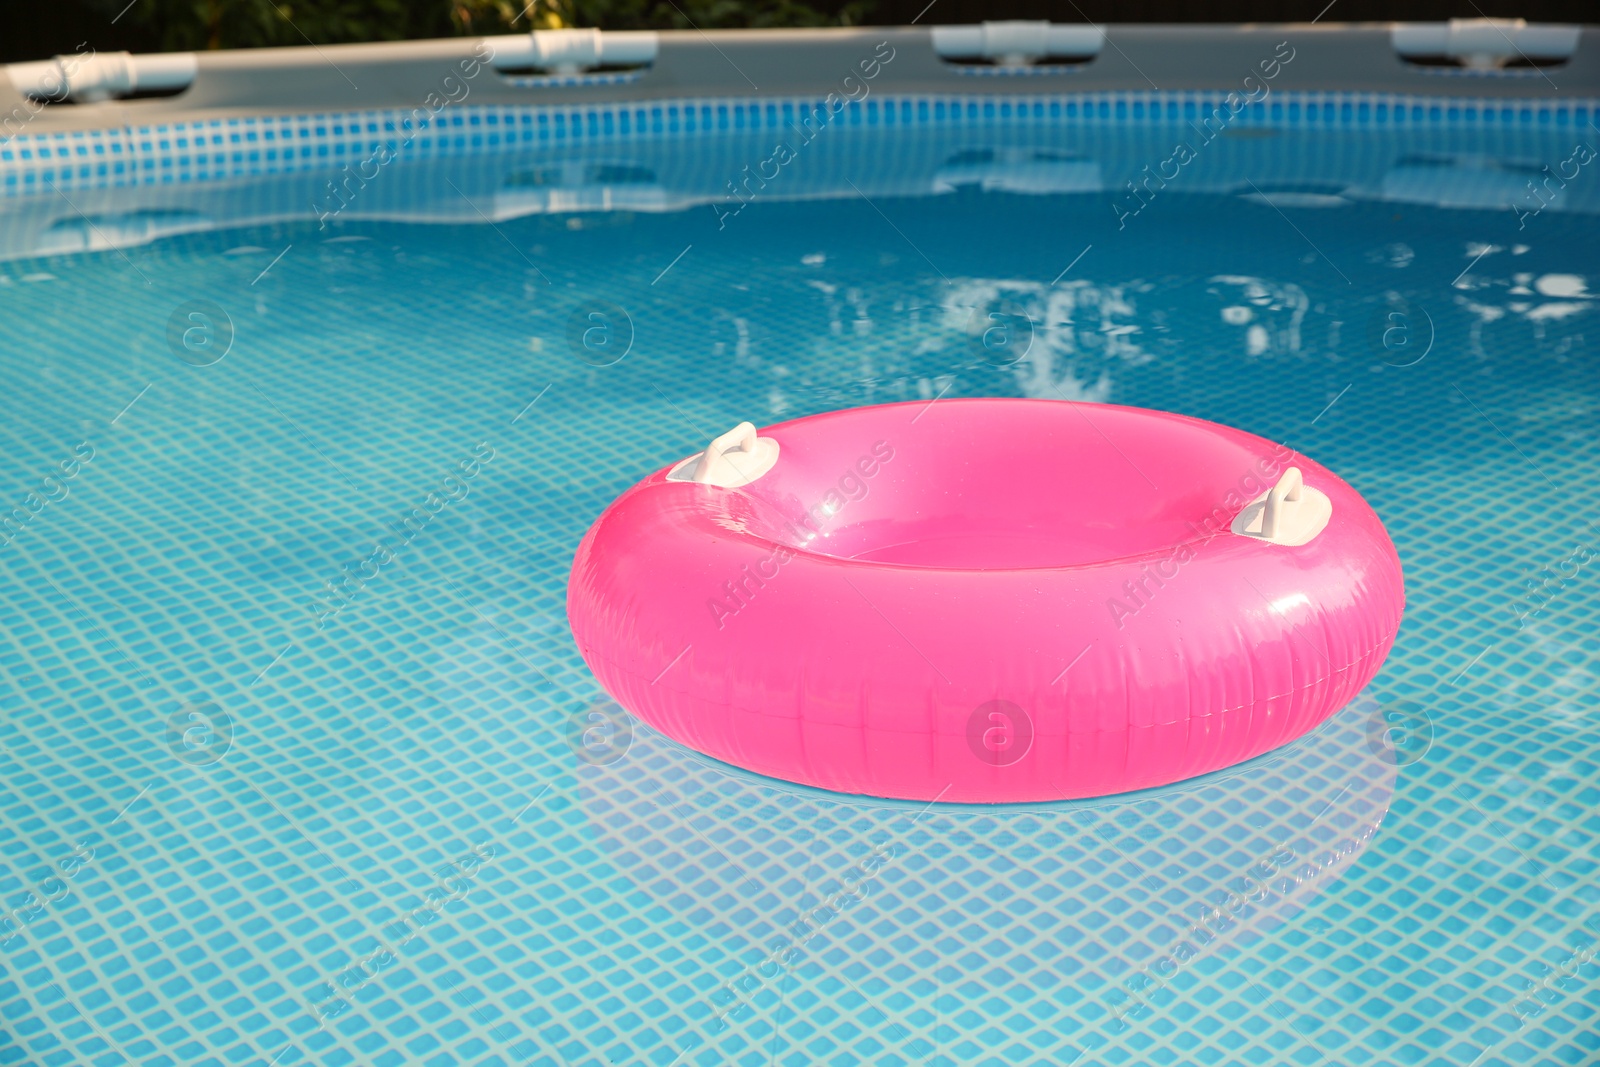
[1219,859]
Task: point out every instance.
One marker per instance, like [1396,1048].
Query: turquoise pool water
[246,819]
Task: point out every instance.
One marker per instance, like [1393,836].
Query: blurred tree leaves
[187,25]
[702,14]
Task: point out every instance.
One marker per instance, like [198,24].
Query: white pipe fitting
[571,51]
[1017,43]
[102,75]
[1485,44]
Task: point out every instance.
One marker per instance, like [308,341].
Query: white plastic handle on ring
[1287,491]
[731,460]
[1291,513]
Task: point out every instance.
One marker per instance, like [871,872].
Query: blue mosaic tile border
[547,81]
[984,70]
[213,149]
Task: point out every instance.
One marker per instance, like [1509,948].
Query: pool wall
[774,64]
[270,134]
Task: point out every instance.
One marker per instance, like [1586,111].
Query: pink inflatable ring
[986,600]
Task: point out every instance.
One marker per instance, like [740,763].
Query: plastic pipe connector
[571,51]
[1017,43]
[103,75]
[1485,44]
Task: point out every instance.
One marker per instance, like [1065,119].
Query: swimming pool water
[248,821]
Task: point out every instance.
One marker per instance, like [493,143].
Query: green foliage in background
[653,14]
[186,25]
